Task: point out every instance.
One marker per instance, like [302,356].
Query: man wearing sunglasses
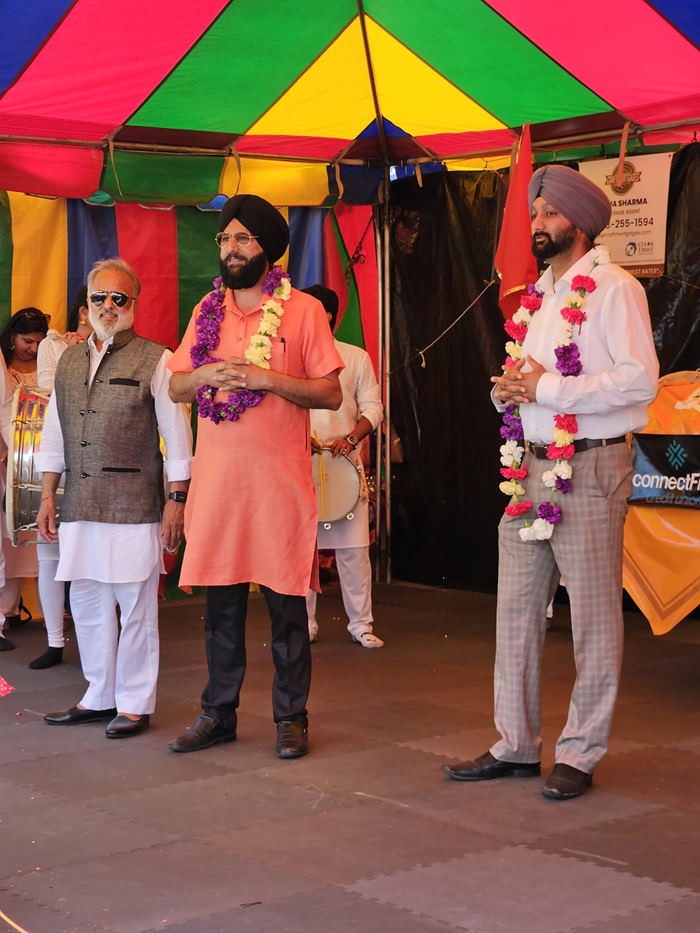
[251,515]
[107,414]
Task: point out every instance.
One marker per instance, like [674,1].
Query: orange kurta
[251,512]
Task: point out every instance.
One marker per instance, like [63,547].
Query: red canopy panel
[60,171]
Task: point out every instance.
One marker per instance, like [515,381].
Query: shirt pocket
[279,360]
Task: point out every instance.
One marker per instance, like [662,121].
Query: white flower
[539,530]
[514,349]
[575,301]
[549,478]
[262,341]
[511,454]
[522,316]
[601,255]
[283,292]
[563,469]
[257,356]
[272,309]
[565,334]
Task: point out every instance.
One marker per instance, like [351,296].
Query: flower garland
[278,287]
[561,450]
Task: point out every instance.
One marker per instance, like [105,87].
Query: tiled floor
[366,833]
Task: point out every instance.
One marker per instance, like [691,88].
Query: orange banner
[661,571]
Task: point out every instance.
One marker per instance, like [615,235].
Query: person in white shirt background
[52,591]
[343,431]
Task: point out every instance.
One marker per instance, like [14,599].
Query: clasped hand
[232,374]
[516,387]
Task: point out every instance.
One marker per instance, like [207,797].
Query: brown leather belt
[585,443]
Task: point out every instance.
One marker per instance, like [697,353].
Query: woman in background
[19,345]
[52,591]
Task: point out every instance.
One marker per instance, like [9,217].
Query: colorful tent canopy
[172,101]
[48,246]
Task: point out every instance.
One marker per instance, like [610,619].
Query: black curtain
[445,498]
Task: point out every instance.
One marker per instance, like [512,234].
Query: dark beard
[245,276]
[553,246]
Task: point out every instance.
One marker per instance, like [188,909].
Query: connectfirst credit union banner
[666,470]
[636,234]
[661,570]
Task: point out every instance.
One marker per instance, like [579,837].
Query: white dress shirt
[620,367]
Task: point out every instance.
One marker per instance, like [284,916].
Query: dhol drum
[23,494]
[337,484]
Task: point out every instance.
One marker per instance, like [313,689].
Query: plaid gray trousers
[586,550]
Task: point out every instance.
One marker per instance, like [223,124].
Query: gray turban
[261,219]
[582,202]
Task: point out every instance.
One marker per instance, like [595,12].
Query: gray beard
[104,333]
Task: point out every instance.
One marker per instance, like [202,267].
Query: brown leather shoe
[205,732]
[486,768]
[292,738]
[566,782]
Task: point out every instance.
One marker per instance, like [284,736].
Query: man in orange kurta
[257,355]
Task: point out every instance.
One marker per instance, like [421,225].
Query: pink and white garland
[561,450]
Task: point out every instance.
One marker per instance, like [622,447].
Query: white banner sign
[636,234]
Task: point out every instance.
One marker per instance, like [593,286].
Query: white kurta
[361,398]
[106,552]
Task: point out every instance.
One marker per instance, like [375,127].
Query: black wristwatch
[178,496]
[351,439]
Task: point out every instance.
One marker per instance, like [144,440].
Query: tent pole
[378,492]
[386,308]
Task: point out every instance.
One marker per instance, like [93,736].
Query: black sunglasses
[119,299]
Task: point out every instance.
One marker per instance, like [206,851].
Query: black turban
[261,219]
[580,200]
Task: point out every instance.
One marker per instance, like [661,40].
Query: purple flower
[207,327]
[549,512]
[512,429]
[273,280]
[563,485]
[568,360]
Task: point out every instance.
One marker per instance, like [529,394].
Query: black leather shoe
[121,726]
[205,732]
[292,738]
[566,782]
[6,644]
[486,767]
[75,715]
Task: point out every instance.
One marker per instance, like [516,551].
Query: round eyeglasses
[119,299]
[243,239]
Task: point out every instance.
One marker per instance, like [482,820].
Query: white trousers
[121,668]
[355,576]
[52,593]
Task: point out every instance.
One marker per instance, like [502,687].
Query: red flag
[515,263]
